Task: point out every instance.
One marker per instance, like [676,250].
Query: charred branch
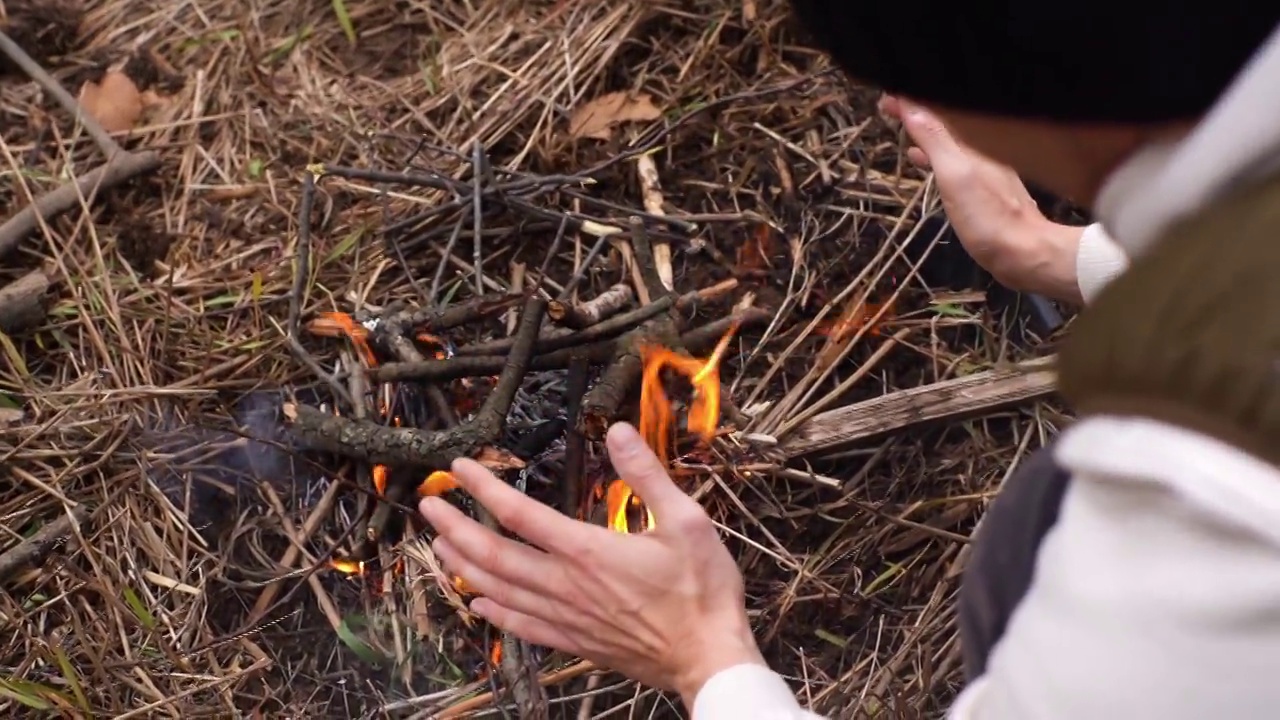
[431,450]
[600,406]
[575,443]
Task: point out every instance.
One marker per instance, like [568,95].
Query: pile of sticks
[601,337]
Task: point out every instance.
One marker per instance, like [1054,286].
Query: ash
[536,427]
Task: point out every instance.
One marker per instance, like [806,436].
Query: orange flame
[656,417]
[854,317]
[333,324]
[437,483]
[348,567]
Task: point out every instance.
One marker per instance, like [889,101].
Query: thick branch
[601,404]
[612,327]
[488,365]
[375,443]
[575,443]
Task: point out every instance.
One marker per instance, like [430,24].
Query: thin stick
[118,168]
[448,250]
[32,550]
[477,160]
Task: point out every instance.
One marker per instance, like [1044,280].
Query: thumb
[640,468]
[930,134]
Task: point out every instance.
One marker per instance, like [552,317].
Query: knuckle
[491,555]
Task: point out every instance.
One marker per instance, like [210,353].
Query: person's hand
[990,209]
[665,607]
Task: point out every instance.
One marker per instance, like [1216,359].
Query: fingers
[931,135]
[525,627]
[890,106]
[521,514]
[500,589]
[641,469]
[918,156]
[505,559]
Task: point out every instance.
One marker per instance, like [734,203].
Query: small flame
[380,479]
[333,324]
[495,653]
[347,567]
[461,587]
[855,316]
[437,483]
[620,502]
[656,418]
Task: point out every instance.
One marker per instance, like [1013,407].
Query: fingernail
[429,506]
[624,436]
[458,468]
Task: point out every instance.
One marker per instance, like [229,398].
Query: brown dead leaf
[597,118]
[115,102]
[497,460]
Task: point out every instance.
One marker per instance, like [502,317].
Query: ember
[350,567]
[857,315]
[656,418]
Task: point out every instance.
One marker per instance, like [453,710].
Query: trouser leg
[1004,554]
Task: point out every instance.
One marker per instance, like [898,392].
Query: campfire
[424,386]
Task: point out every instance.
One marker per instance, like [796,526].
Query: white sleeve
[748,691]
[1155,594]
[1099,260]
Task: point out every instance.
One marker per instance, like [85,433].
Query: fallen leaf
[115,102]
[495,459]
[9,416]
[598,117]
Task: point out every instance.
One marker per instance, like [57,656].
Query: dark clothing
[1004,554]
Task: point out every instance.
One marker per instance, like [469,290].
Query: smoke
[213,470]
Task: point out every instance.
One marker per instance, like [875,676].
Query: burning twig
[363,440]
[601,404]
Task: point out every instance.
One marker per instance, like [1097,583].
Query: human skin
[993,215]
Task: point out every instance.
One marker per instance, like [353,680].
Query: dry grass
[166,344]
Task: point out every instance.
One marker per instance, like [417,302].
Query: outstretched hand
[665,607]
[990,209]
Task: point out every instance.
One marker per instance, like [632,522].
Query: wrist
[715,653]
[1050,269]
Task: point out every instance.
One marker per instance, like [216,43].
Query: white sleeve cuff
[748,691]
[1098,261]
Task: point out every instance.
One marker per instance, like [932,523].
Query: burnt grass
[150,394]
